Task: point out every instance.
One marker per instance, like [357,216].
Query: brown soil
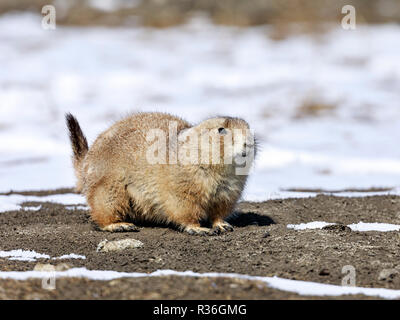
[261,244]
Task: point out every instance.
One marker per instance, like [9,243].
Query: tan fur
[122,186]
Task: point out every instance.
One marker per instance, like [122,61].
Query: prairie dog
[190,176]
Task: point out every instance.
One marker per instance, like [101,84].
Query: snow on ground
[35,208]
[309,225]
[23,255]
[14,201]
[196,71]
[283,194]
[360,226]
[83,207]
[70,256]
[31,255]
[297,286]
[376,226]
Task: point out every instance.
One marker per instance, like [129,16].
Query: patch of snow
[30,255]
[23,255]
[297,286]
[77,207]
[361,226]
[368,226]
[309,225]
[113,5]
[32,208]
[14,201]
[261,195]
[70,256]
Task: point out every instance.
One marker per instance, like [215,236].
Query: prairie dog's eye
[222,131]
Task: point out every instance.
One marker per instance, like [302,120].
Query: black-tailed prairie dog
[159,168]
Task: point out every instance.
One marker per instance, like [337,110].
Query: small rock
[387,274]
[337,228]
[157,260]
[118,245]
[266,235]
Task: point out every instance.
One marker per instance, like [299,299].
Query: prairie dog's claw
[199,231]
[222,227]
[120,227]
[218,228]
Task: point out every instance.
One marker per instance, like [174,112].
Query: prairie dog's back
[129,134]
[123,146]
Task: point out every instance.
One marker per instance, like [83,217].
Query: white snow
[77,207]
[70,256]
[361,226]
[300,287]
[367,226]
[31,255]
[309,225]
[23,255]
[13,201]
[33,208]
[196,71]
[113,5]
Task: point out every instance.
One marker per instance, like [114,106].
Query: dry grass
[314,109]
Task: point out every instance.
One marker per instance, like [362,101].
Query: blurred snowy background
[324,101]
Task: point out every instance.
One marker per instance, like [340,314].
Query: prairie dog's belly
[147,203]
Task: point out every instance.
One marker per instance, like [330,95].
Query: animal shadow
[244,219]
[236,219]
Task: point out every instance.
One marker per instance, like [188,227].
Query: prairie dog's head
[218,141]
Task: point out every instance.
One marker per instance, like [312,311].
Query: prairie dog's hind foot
[120,227]
[198,231]
[221,227]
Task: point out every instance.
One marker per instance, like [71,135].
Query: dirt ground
[261,244]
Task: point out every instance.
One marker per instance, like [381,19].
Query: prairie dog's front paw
[221,227]
[193,230]
[120,227]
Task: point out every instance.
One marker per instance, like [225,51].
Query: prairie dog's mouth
[248,148]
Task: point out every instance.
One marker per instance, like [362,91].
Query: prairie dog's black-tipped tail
[78,140]
[79,146]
